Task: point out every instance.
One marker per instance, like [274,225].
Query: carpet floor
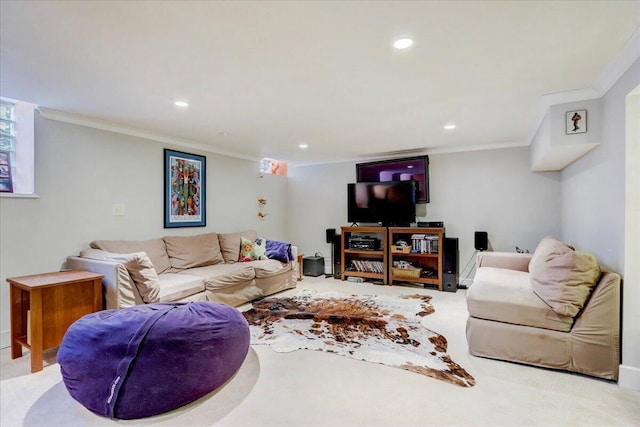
[310,388]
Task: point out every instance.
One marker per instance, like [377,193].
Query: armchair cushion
[563,277]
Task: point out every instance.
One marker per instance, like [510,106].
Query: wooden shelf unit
[426,261]
[349,255]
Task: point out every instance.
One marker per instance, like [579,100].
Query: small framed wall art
[6,181]
[576,121]
[184,189]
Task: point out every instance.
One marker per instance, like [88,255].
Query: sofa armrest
[118,288]
[506,260]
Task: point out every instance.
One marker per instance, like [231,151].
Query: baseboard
[5,339]
[629,377]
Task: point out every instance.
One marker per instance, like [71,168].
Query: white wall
[490,190]
[81,172]
[593,208]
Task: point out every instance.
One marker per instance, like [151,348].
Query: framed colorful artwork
[184,189]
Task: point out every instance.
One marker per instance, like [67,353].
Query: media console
[418,260]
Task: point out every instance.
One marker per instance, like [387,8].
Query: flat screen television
[409,168]
[386,203]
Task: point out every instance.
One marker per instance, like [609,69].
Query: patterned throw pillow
[251,251]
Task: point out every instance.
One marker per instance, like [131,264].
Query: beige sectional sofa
[203,267]
[554,309]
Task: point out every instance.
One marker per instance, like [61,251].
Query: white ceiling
[263,77]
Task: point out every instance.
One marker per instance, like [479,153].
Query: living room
[84,166]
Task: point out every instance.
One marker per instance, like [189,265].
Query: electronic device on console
[364,243]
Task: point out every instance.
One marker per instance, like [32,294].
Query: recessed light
[403,43]
[302,146]
[449,126]
[182,104]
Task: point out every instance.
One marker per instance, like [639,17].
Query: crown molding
[417,152]
[75,119]
[620,64]
[611,74]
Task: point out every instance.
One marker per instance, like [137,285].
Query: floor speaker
[481,241]
[450,264]
[337,256]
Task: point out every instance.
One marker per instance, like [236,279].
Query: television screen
[386,203]
[410,168]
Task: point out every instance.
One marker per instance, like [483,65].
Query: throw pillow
[230,244]
[279,250]
[140,268]
[251,251]
[154,248]
[562,277]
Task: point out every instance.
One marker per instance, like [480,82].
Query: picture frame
[576,122]
[184,189]
[6,179]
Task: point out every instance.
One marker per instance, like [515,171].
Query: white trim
[629,377]
[620,64]
[426,151]
[19,196]
[61,116]
[629,54]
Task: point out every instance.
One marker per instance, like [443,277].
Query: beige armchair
[531,317]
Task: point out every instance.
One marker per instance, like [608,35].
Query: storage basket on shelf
[407,273]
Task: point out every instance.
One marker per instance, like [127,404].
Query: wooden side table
[43,306]
[300,257]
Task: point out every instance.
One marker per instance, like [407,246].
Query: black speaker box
[331,232]
[449,282]
[337,256]
[481,241]
[313,266]
[450,264]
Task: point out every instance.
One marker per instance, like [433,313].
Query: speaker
[330,233]
[449,282]
[337,256]
[481,241]
[450,264]
[313,266]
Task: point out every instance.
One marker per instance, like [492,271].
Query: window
[275,167]
[16,147]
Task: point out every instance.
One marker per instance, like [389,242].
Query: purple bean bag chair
[149,359]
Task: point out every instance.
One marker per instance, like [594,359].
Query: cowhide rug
[376,329]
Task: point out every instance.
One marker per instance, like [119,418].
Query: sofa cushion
[221,276]
[506,296]
[140,269]
[193,251]
[562,276]
[154,248]
[230,244]
[252,250]
[269,268]
[178,286]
